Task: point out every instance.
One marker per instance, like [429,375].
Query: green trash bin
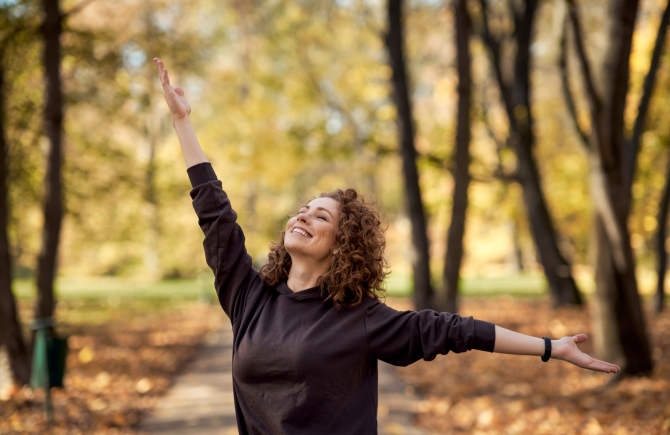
[49,354]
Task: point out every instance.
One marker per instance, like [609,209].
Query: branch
[648,87]
[493,46]
[567,95]
[435,160]
[596,104]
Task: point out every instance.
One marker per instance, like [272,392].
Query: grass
[118,291]
[526,285]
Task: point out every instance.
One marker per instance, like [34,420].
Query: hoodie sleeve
[403,337]
[225,252]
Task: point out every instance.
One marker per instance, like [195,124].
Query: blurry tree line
[491,133]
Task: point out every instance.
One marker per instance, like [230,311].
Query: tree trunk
[53,125]
[661,235]
[10,325]
[447,299]
[621,335]
[556,267]
[516,99]
[420,256]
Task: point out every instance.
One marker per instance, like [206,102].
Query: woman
[309,328]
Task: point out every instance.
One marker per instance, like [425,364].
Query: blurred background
[517,150]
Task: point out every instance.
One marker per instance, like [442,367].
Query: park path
[201,400]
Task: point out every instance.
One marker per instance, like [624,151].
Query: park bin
[49,354]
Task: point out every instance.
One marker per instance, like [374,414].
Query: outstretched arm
[180,110]
[564,349]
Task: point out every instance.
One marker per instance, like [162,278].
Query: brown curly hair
[358,268]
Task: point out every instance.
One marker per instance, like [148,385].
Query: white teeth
[301,232]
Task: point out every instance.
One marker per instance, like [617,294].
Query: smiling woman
[339,239]
[309,327]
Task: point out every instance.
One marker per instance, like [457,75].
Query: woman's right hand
[174,95]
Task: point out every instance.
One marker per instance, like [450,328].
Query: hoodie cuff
[485,336]
[201,173]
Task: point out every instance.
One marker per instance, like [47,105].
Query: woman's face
[312,232]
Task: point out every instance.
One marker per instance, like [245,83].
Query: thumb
[179,91]
[580,338]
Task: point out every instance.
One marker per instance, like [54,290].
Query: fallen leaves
[480,393]
[116,370]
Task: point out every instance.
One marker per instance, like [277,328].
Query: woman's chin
[294,248]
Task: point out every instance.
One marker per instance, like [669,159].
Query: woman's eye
[322,217]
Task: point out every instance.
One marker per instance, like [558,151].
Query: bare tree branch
[567,95]
[593,97]
[493,46]
[643,108]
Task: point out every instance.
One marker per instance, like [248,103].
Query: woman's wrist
[556,349]
[184,120]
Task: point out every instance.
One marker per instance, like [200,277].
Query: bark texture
[423,292]
[448,296]
[515,94]
[10,325]
[621,334]
[661,253]
[53,126]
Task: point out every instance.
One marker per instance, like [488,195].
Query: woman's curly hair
[358,268]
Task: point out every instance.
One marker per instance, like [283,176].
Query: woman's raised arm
[180,111]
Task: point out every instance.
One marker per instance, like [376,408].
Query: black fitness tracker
[547,349]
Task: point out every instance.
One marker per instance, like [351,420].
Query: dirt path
[201,400]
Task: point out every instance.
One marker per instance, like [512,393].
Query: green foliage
[289,99]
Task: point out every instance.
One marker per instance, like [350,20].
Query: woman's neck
[303,275]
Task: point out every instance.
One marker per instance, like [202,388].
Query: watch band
[547,349]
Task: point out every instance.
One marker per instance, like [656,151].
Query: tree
[394,40]
[53,124]
[661,253]
[10,325]
[454,254]
[621,333]
[515,95]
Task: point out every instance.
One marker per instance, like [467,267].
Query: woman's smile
[300,231]
[312,232]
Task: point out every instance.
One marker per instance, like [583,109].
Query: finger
[580,338]
[599,366]
[604,366]
[160,67]
[605,363]
[165,79]
[179,91]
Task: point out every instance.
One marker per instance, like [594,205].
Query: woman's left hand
[566,349]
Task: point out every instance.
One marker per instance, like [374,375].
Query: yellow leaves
[593,427]
[97,404]
[557,328]
[649,223]
[115,372]
[102,381]
[387,112]
[507,394]
[86,355]
[144,385]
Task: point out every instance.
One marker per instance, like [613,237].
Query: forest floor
[125,356]
[479,393]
